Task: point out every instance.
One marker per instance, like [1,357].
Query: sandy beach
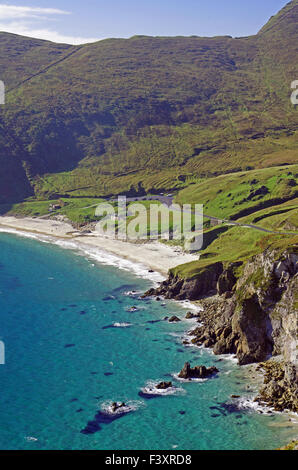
[153,255]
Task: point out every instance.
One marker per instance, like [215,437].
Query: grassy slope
[79,211]
[151,113]
[226,196]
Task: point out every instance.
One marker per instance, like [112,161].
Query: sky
[82,21]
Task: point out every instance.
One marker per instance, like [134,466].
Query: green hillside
[145,114]
[240,194]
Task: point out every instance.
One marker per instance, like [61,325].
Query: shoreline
[110,252]
[153,256]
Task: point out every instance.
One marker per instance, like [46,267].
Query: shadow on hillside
[4,208]
[209,237]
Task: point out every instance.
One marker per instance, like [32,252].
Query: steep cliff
[253,315]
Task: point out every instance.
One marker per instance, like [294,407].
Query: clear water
[62,363]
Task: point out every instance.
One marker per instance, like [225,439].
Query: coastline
[150,256]
[139,258]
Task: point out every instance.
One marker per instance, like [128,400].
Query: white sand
[153,255]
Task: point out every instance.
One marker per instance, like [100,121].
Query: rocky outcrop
[260,318]
[204,283]
[280,388]
[253,315]
[191,315]
[164,385]
[197,372]
[174,319]
[292,446]
[227,279]
[117,406]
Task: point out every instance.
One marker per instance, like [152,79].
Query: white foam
[42,238]
[129,407]
[151,389]
[122,325]
[187,304]
[248,403]
[227,357]
[100,255]
[175,375]
[132,293]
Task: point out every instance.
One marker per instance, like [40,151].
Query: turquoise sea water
[64,361]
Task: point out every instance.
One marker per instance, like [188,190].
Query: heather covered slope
[147,114]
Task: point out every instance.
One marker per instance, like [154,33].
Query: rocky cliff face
[253,315]
[191,289]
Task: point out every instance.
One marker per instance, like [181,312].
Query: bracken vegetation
[145,114]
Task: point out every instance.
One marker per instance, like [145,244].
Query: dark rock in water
[124,288]
[107,327]
[133,309]
[108,374]
[147,396]
[104,418]
[174,319]
[215,416]
[117,406]
[63,309]
[235,396]
[152,392]
[91,428]
[230,407]
[164,385]
[180,351]
[149,293]
[79,410]
[197,372]
[83,312]
[151,271]
[182,412]
[73,306]
[73,400]
[69,345]
[218,408]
